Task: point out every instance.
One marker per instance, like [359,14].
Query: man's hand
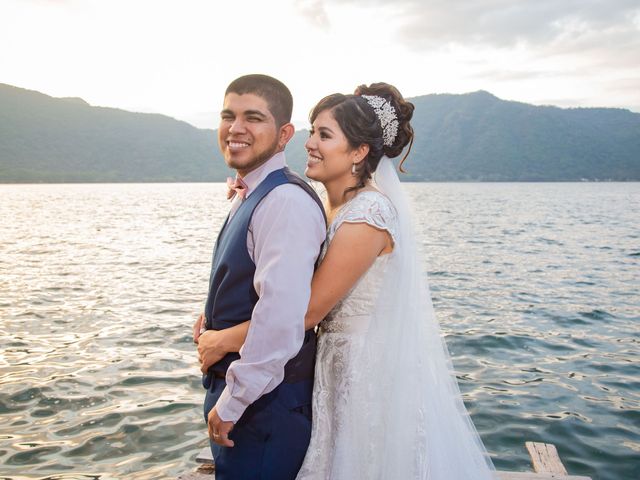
[211,349]
[197,327]
[219,430]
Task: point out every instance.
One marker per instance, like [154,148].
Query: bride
[386,404]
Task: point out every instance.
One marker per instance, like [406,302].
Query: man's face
[248,135]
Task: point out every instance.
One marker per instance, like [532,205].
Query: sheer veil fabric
[406,416]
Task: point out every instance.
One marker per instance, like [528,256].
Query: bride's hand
[197,327]
[211,348]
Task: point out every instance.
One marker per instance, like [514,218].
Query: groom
[258,403]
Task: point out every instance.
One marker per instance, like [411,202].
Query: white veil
[406,415]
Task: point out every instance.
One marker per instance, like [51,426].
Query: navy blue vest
[231,296]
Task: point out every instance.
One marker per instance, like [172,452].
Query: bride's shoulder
[374,199]
[373,207]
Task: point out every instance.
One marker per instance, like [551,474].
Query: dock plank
[500,475]
[204,472]
[205,456]
[537,476]
[196,476]
[545,459]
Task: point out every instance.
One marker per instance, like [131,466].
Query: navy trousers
[271,437]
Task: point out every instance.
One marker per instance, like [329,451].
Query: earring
[353,169]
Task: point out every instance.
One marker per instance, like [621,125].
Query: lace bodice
[375,209]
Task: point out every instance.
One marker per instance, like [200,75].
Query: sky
[176,57]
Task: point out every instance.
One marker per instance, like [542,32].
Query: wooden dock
[544,459]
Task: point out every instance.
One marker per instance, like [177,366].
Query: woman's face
[330,155]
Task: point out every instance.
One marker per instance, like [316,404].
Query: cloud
[510,75]
[503,23]
[314,11]
[583,49]
[610,46]
[53,2]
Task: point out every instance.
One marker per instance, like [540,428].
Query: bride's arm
[352,251]
[213,345]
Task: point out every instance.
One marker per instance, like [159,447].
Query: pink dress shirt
[285,235]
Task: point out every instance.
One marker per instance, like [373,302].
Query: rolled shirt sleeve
[287,230]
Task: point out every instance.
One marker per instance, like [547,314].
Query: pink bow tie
[236,186]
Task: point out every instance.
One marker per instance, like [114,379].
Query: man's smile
[236,145]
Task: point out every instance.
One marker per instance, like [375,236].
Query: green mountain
[45,139]
[477,136]
[470,137]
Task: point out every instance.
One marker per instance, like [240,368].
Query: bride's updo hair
[360,124]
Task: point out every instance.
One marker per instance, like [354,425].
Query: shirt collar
[255,177]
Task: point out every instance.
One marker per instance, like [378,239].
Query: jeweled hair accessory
[387,116]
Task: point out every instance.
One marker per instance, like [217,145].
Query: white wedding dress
[386,404]
[341,335]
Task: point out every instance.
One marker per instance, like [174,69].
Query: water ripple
[535,285]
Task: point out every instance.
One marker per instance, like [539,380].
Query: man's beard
[259,159]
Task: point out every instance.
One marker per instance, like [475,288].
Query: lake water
[536,286]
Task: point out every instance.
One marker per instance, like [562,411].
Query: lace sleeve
[372,208]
